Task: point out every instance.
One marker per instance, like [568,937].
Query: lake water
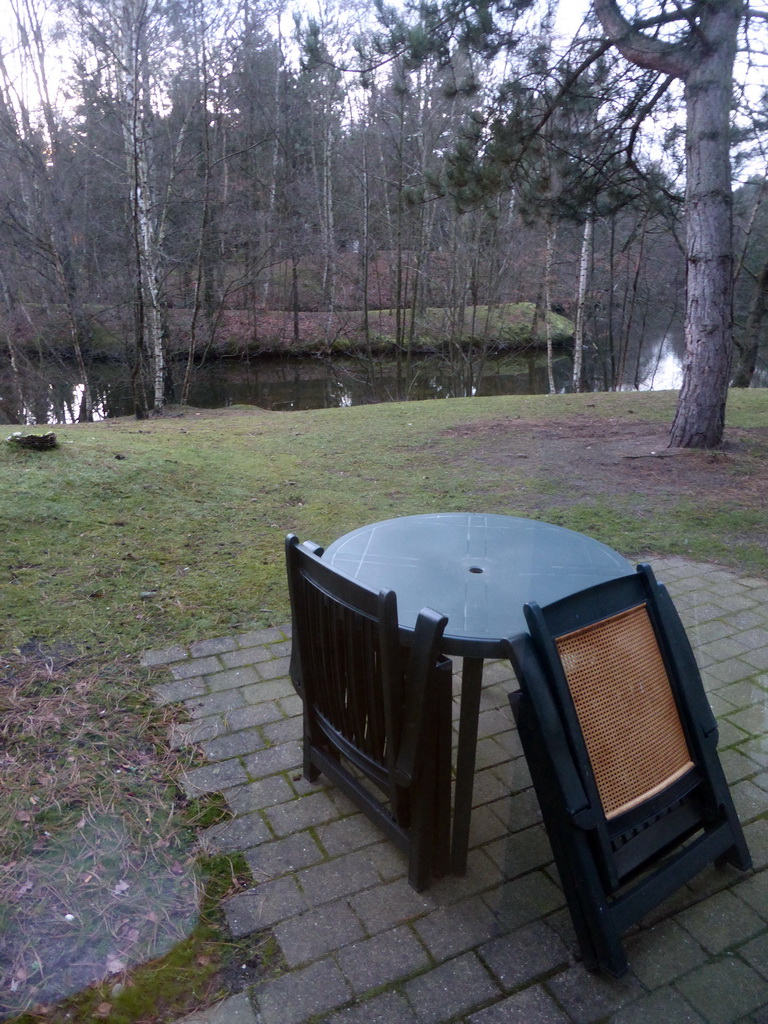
[292,384]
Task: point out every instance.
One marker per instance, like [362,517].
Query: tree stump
[39,442]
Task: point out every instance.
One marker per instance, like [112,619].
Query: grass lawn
[132,535]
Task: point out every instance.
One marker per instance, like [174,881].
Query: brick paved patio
[361,947]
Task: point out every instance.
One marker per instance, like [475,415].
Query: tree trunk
[703,59]
[578,344]
[700,417]
[551,235]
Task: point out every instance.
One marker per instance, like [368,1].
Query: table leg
[471,683]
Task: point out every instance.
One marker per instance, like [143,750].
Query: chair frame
[615,870]
[363,689]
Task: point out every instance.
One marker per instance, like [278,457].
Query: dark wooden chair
[377,714]
[622,748]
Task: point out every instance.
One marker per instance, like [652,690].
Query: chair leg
[599,942]
[311,771]
[442,815]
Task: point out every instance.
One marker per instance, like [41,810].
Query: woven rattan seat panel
[625,707]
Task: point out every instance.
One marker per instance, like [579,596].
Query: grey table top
[479,570]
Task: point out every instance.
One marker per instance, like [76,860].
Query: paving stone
[235,1009]
[749,800]
[217,645]
[165,656]
[282,730]
[297,996]
[317,933]
[339,877]
[588,997]
[481,874]
[455,987]
[663,1005]
[271,760]
[182,734]
[523,810]
[246,717]
[525,955]
[758,658]
[231,678]
[524,899]
[264,906]
[753,720]
[275,668]
[743,693]
[756,835]
[290,706]
[213,778]
[388,1008]
[387,860]
[721,922]
[353,832]
[233,744]
[301,813]
[449,931]
[754,890]
[255,796]
[245,656]
[214,704]
[486,827]
[724,991]
[195,667]
[272,689]
[235,836]
[390,905]
[736,765]
[260,637]
[180,690]
[519,853]
[533,1006]
[756,955]
[660,954]
[279,856]
[489,786]
[381,960]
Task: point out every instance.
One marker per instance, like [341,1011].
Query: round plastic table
[480,571]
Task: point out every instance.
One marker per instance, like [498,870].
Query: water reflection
[294,384]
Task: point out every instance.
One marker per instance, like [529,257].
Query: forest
[185,180]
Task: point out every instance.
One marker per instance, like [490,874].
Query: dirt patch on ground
[598,456]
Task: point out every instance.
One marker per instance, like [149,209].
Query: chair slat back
[352,665]
[343,676]
[626,708]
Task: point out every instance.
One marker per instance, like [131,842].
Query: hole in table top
[476,568]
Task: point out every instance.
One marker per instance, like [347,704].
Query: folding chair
[622,748]
[377,713]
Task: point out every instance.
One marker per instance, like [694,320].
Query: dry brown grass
[97,871]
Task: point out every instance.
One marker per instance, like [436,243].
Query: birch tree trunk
[578,344]
[548,268]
